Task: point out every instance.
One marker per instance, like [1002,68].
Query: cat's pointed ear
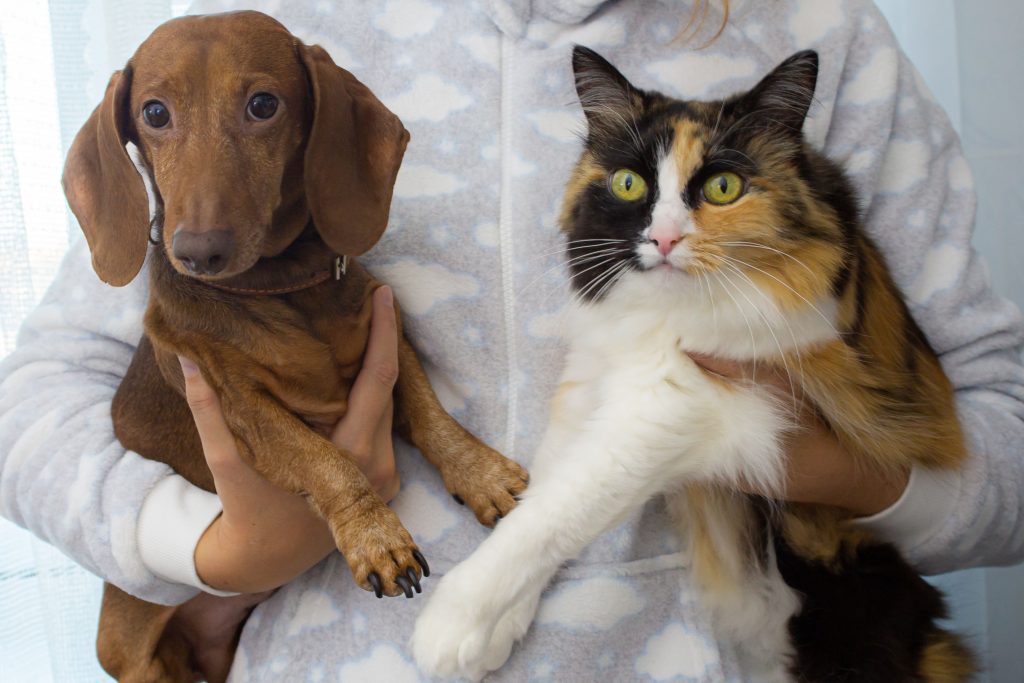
[785,95]
[608,99]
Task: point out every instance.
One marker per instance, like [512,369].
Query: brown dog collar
[338,267]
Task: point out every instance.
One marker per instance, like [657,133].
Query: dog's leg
[379,551]
[132,645]
[473,473]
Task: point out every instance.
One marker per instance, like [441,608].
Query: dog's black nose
[203,253]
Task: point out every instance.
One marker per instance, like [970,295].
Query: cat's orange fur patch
[587,172]
[687,151]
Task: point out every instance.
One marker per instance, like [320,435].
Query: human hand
[265,535]
[818,468]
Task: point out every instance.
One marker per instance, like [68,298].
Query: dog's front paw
[486,481]
[380,552]
[458,635]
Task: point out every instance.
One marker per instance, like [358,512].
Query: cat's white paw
[461,632]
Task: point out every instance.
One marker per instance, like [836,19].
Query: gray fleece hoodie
[472,252]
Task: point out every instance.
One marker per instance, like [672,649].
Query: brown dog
[270,166]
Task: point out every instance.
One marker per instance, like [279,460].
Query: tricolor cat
[712,227]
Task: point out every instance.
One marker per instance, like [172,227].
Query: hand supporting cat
[819,470]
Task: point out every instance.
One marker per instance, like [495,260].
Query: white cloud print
[407,18]
[691,74]
[597,603]
[315,609]
[419,287]
[675,653]
[426,517]
[430,98]
[385,663]
[559,124]
[941,269]
[419,180]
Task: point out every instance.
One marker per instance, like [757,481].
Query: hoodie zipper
[507,252]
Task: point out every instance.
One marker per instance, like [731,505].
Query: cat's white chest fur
[634,417]
[719,315]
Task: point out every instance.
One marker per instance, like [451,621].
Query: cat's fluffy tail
[946,659]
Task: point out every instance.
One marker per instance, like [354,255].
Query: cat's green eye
[723,188]
[627,185]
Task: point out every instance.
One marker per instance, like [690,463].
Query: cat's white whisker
[711,296]
[750,328]
[576,261]
[574,245]
[768,324]
[608,275]
[619,271]
[790,288]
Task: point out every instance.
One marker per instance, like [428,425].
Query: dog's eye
[263,105]
[156,114]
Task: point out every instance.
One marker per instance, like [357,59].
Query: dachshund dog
[271,167]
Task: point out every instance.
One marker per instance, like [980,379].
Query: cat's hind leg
[728,543]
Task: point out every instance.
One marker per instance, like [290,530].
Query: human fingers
[728,369]
[371,395]
[739,371]
[218,442]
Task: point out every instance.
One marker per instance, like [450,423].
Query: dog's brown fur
[312,182]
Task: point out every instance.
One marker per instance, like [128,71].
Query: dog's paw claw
[414,579]
[486,482]
[422,561]
[380,551]
[374,579]
[406,585]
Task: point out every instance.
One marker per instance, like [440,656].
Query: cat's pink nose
[665,237]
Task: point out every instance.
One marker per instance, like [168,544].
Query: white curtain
[55,58]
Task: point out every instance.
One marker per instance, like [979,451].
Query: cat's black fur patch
[864,623]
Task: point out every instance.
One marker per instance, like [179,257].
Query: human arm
[63,474]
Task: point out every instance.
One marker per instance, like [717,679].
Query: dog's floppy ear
[105,191]
[353,153]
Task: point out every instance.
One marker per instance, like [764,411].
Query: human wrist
[230,556]
[920,512]
[220,566]
[174,516]
[821,471]
[873,491]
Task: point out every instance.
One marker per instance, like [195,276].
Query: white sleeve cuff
[173,518]
[922,510]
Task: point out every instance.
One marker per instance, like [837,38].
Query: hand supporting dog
[266,536]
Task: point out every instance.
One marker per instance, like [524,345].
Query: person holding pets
[482,87]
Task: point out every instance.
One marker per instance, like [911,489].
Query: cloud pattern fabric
[473,253]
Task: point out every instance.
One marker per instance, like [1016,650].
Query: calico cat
[712,227]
